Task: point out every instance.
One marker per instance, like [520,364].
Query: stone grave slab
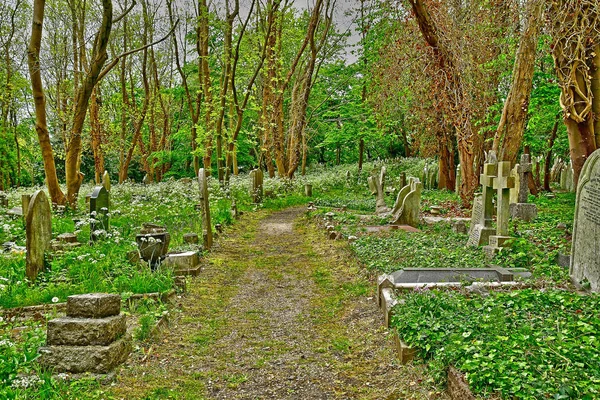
[585,248]
[186,263]
[38,226]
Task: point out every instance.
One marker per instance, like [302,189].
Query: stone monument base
[497,243]
[525,211]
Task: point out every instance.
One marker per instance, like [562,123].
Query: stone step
[93,305]
[95,359]
[85,331]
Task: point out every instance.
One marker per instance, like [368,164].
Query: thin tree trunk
[41,126]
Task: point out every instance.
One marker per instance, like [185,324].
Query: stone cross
[524,171]
[106,181]
[256,185]
[585,249]
[38,226]
[205,210]
[481,226]
[99,202]
[502,183]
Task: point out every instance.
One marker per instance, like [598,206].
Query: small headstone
[308,190]
[585,248]
[38,226]
[190,238]
[99,202]
[91,338]
[459,227]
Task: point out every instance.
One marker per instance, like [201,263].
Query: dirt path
[277,313]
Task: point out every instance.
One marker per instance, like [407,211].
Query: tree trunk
[41,126]
[514,115]
[548,160]
[96,135]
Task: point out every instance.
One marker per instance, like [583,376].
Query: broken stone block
[93,305]
[186,263]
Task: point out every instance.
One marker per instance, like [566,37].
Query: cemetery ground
[286,313]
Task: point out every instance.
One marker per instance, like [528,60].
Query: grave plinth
[91,338]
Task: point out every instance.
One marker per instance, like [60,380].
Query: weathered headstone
[377,186]
[502,183]
[514,192]
[522,209]
[481,221]
[570,178]
[409,199]
[308,190]
[99,203]
[3,200]
[205,208]
[91,338]
[38,227]
[256,185]
[106,181]
[585,248]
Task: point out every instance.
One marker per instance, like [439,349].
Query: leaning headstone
[408,213]
[38,227]
[481,220]
[106,181]
[378,183]
[99,201]
[205,208]
[585,249]
[256,185]
[502,183]
[91,338]
[522,209]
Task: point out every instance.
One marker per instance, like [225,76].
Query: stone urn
[153,244]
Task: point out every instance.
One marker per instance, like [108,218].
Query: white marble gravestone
[585,249]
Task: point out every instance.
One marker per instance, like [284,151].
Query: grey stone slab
[95,359]
[585,248]
[524,211]
[93,305]
[437,275]
[188,260]
[38,226]
[86,331]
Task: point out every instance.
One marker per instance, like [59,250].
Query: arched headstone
[38,226]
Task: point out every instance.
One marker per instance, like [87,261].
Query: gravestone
[403,181]
[25,199]
[99,201]
[458,180]
[502,183]
[514,192]
[3,200]
[106,181]
[308,190]
[481,220]
[585,249]
[205,208]
[153,243]
[38,227]
[409,200]
[570,178]
[377,186]
[563,177]
[522,209]
[91,338]
[256,185]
